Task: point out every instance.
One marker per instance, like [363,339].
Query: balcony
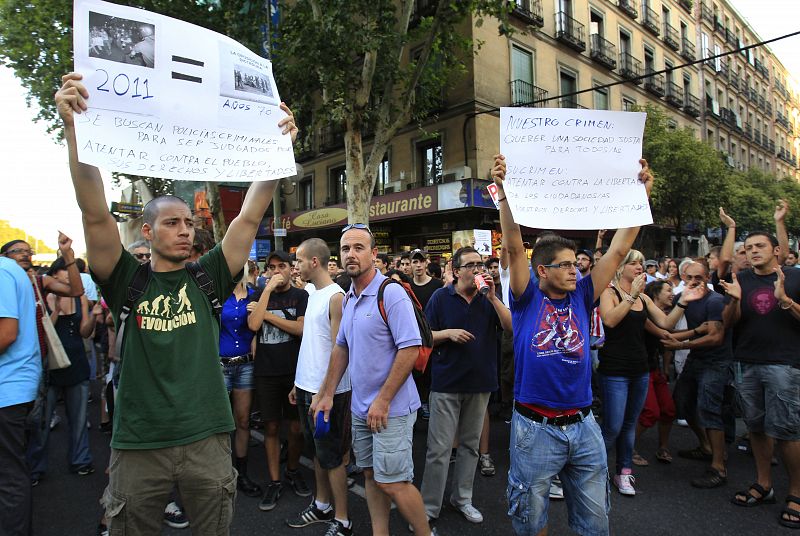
[771,146]
[748,131]
[630,68]
[781,90]
[722,72]
[687,50]
[674,94]
[671,37]
[570,102]
[757,137]
[604,52]
[728,117]
[529,11]
[734,81]
[762,102]
[526,94]
[753,94]
[691,105]
[718,26]
[730,38]
[654,83]
[762,69]
[706,15]
[628,7]
[651,20]
[769,108]
[686,4]
[331,137]
[783,121]
[570,32]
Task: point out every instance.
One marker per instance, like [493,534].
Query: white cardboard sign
[574,169]
[173,100]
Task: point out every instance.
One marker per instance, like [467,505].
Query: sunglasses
[141,256]
[361,226]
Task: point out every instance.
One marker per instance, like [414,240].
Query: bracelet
[499,199]
[67,265]
[681,305]
[787,307]
[630,299]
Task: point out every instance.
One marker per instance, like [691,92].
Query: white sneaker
[625,483]
[469,512]
[556,489]
[682,422]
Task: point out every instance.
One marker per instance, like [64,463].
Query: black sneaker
[84,470]
[271,496]
[247,486]
[174,516]
[335,528]
[298,484]
[310,515]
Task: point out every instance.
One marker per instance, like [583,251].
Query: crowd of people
[334,351]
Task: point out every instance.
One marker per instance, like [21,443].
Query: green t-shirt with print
[171,388]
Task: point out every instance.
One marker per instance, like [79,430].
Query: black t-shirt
[716,281]
[277,350]
[765,332]
[424,292]
[708,309]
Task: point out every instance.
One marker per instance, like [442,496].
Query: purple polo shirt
[372,346]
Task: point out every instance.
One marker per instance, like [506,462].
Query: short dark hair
[767,234]
[403,277]
[152,208]
[545,235]
[654,288]
[203,241]
[793,252]
[460,252]
[715,250]
[405,255]
[546,250]
[81,264]
[384,258]
[435,270]
[492,260]
[316,247]
[58,265]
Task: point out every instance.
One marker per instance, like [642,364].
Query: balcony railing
[730,38]
[604,51]
[722,72]
[674,94]
[530,11]
[728,117]
[734,81]
[771,146]
[526,94]
[654,83]
[671,36]
[651,20]
[331,137]
[718,26]
[769,108]
[782,120]
[748,131]
[630,67]
[687,49]
[753,95]
[757,137]
[706,14]
[628,7]
[570,102]
[686,4]
[691,105]
[570,32]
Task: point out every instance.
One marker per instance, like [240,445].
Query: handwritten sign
[574,169]
[173,100]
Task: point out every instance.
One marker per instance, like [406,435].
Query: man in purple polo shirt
[384,399]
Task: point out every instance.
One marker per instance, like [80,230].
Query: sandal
[637,459]
[766,496]
[663,456]
[696,453]
[711,479]
[790,512]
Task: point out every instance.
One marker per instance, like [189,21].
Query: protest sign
[173,100]
[483,241]
[574,169]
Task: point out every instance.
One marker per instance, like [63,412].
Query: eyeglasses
[566,265]
[361,226]
[21,251]
[473,265]
[141,256]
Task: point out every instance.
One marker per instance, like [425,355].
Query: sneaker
[247,486]
[335,528]
[625,483]
[426,411]
[299,485]
[271,496]
[35,478]
[487,465]
[174,516]
[556,489]
[102,530]
[54,420]
[469,512]
[84,470]
[682,422]
[310,515]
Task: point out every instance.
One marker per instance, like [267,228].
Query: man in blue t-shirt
[553,431]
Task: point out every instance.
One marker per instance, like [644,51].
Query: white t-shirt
[316,346]
[89,288]
[505,282]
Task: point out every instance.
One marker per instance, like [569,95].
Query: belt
[561,420]
[237,360]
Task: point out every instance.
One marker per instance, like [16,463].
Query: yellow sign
[322,217]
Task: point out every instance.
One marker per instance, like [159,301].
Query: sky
[37,192]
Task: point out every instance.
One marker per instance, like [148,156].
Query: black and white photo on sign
[122,40]
[251,81]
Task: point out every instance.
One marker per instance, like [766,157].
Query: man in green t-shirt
[173,419]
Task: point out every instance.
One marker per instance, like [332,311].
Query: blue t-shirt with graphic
[553,366]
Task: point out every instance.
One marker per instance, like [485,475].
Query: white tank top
[316,346]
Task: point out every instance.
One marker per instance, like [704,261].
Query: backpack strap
[381,307]
[206,284]
[141,278]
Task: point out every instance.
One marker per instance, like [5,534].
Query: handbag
[56,355]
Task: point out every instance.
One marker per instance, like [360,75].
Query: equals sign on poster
[184,76]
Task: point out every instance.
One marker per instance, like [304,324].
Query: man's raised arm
[242,230]
[102,238]
[604,270]
[512,235]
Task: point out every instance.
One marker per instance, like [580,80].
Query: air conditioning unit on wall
[457,174]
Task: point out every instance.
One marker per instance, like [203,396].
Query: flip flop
[637,459]
[663,456]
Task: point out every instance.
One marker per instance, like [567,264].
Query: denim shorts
[239,376]
[770,399]
[577,453]
[330,449]
[388,452]
[700,390]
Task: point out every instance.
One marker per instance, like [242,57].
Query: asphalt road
[665,504]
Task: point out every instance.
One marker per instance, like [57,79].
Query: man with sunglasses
[379,357]
[140,251]
[21,252]
[553,431]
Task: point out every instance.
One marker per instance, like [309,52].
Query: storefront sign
[439,244]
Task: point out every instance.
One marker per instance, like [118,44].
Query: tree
[369,67]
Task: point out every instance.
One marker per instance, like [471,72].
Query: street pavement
[665,504]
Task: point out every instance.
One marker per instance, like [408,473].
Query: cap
[650,262]
[587,252]
[418,253]
[282,255]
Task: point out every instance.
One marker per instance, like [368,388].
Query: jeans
[15,499]
[76,398]
[540,451]
[623,399]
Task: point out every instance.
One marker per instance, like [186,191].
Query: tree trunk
[215,206]
[359,182]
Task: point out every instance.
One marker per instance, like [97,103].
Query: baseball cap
[650,262]
[282,255]
[418,253]
[586,252]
